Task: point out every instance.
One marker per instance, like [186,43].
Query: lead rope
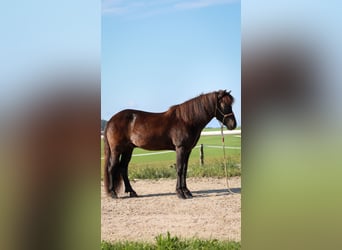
[225,161]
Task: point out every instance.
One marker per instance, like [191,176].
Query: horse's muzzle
[230,124]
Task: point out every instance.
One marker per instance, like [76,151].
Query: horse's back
[142,129]
[128,117]
[138,128]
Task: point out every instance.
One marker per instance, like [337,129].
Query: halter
[223,143]
[224,115]
[224,147]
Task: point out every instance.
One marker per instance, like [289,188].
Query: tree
[103,124]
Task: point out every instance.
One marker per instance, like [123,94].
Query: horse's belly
[152,143]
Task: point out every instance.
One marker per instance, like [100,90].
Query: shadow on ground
[196,194]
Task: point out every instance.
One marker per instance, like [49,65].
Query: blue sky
[156,54]
[43,40]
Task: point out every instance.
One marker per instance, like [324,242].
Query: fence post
[201,155]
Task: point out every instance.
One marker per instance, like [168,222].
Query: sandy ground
[212,213]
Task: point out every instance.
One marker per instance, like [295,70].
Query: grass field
[163,165]
[172,242]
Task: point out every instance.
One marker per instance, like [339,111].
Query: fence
[217,132]
[201,147]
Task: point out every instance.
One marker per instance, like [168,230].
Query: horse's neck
[200,117]
[210,117]
[210,114]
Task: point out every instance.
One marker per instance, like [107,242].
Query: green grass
[168,242]
[163,165]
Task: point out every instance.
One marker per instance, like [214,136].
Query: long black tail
[113,181]
[106,161]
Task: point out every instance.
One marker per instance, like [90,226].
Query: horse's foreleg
[125,159]
[182,165]
[180,156]
[185,189]
[179,189]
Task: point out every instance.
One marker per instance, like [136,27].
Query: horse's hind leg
[113,173]
[125,159]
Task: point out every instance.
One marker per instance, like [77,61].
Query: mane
[197,109]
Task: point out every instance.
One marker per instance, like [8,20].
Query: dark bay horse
[178,129]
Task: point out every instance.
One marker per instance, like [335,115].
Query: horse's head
[223,110]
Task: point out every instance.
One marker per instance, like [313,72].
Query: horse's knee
[179,171]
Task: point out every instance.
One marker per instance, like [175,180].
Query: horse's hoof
[188,194]
[133,194]
[113,195]
[180,194]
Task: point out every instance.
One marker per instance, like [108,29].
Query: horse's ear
[221,93]
[229,92]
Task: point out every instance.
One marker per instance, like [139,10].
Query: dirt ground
[212,213]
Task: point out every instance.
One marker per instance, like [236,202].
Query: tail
[114,182]
[106,161]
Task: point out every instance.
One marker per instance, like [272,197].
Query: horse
[176,129]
